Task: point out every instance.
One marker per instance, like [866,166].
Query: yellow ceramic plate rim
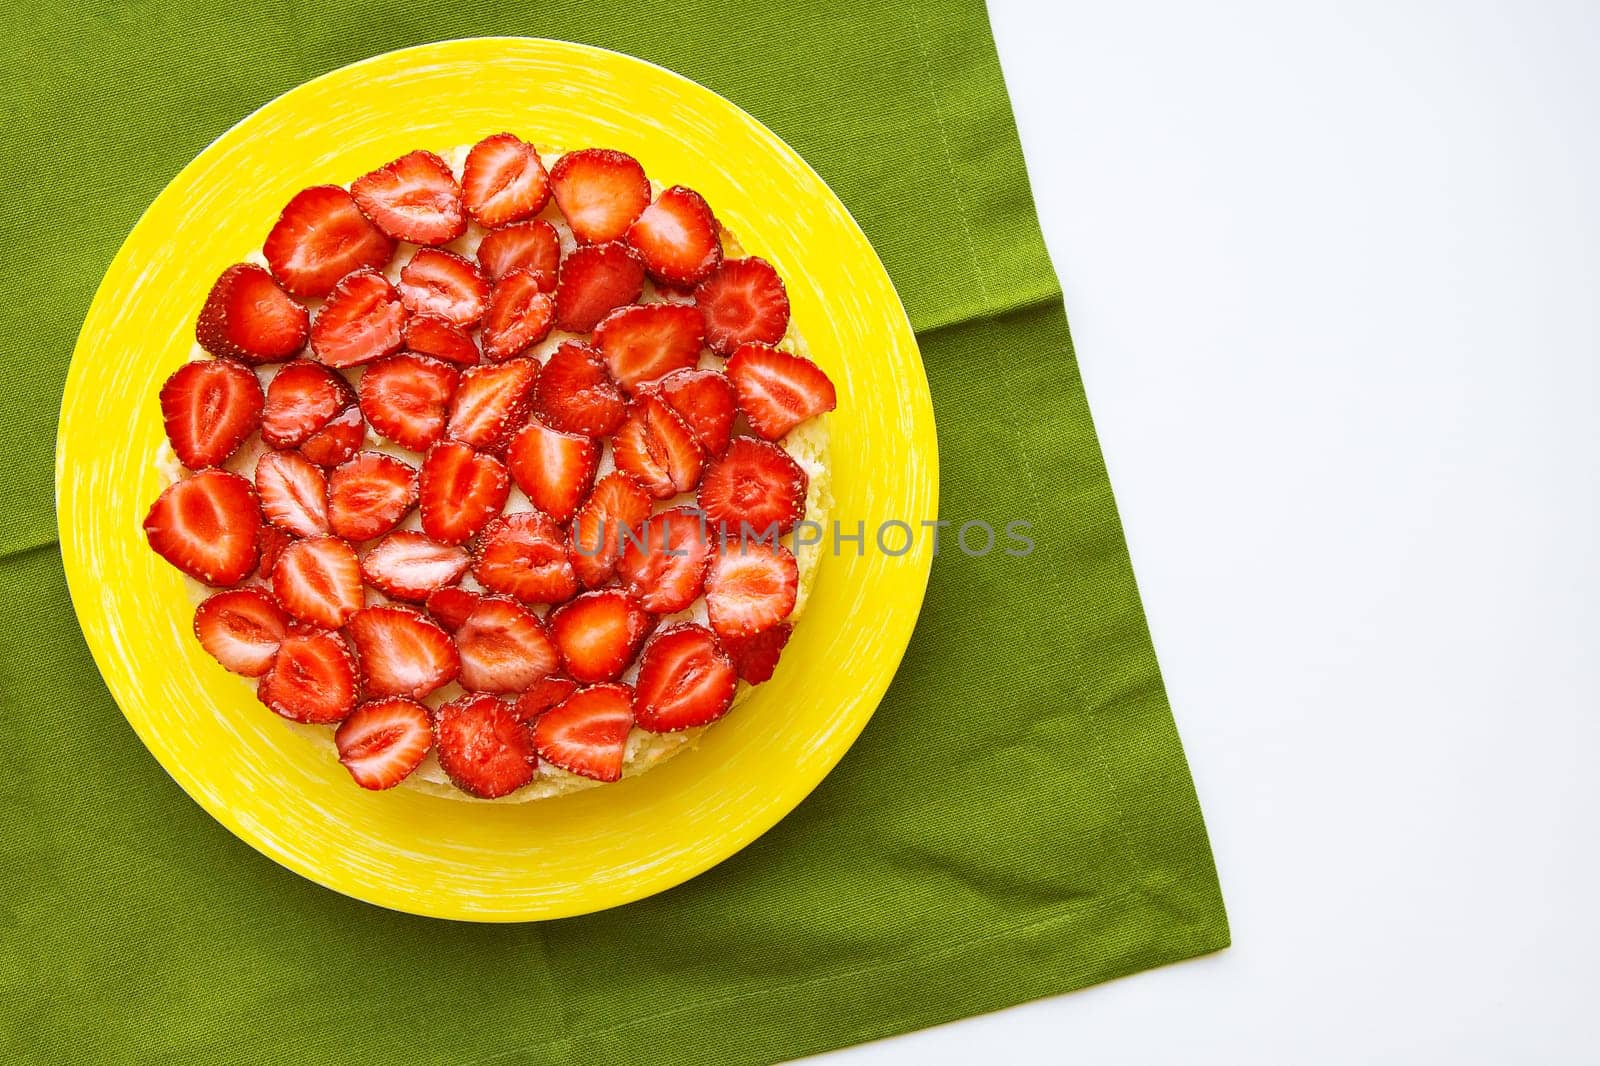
[286,795]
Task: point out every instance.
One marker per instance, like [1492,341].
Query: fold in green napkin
[1018,819]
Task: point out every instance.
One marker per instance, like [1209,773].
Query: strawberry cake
[485,470]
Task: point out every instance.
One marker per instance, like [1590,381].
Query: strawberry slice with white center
[534,245]
[778,390]
[415,198]
[555,469]
[647,341]
[248,317]
[666,570]
[524,555]
[363,320]
[318,581]
[598,634]
[678,238]
[302,398]
[587,733]
[520,315]
[617,503]
[755,658]
[705,399]
[241,629]
[440,338]
[312,680]
[209,407]
[337,441]
[755,485]
[461,489]
[491,402]
[596,280]
[319,238]
[369,494]
[750,587]
[401,651]
[600,191]
[273,541]
[293,492]
[743,301]
[503,180]
[658,449]
[439,282]
[452,605]
[482,747]
[575,394]
[504,647]
[407,398]
[408,565]
[541,696]
[208,526]
[382,742]
[685,680]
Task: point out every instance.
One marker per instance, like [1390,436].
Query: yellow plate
[287,796]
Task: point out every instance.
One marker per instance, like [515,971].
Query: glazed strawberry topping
[533,245]
[706,401]
[596,280]
[438,282]
[750,587]
[665,568]
[658,449]
[460,490]
[312,680]
[491,402]
[407,398]
[777,390]
[482,746]
[414,199]
[599,634]
[504,647]
[210,407]
[520,315]
[685,680]
[554,469]
[318,581]
[302,399]
[504,181]
[587,733]
[241,629]
[541,696]
[338,440]
[363,320]
[754,484]
[407,565]
[743,301]
[600,192]
[320,237]
[646,341]
[439,337]
[208,526]
[757,657]
[678,238]
[382,742]
[617,506]
[451,606]
[369,494]
[402,652]
[248,317]
[293,493]
[524,555]
[575,394]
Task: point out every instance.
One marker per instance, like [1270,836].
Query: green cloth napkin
[1017,820]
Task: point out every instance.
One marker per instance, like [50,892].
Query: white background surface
[1333,272]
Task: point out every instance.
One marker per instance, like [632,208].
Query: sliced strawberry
[302,398]
[756,657]
[665,569]
[750,587]
[576,395]
[600,191]
[369,494]
[587,733]
[293,492]
[363,320]
[504,647]
[407,397]
[599,633]
[658,449]
[482,747]
[383,741]
[435,281]
[407,565]
[504,181]
[440,338]
[678,238]
[519,315]
[273,541]
[596,280]
[460,490]
[318,581]
[743,301]
[685,680]
[705,399]
[525,555]
[249,318]
[756,484]
[617,503]
[646,341]
[555,469]
[541,696]
[414,199]
[534,245]
[777,390]
[452,606]
[210,406]
[491,402]
[241,629]
[337,441]
[312,680]
[319,238]
[208,526]
[402,652]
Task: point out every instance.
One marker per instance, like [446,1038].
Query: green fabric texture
[1017,820]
